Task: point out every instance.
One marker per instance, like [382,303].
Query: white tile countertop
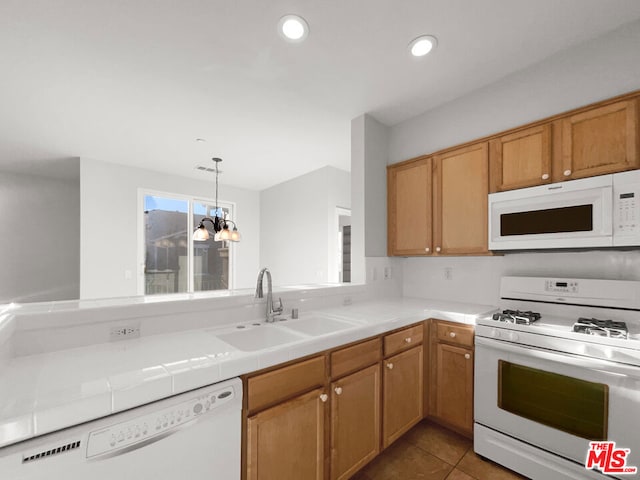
[48,391]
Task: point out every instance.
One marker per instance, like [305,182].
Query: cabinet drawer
[278,385]
[456,334]
[407,338]
[355,357]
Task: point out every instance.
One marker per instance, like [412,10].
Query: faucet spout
[271,311]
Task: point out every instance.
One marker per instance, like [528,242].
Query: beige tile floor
[430,452]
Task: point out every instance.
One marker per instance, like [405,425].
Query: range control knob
[513,336]
[197,408]
[495,333]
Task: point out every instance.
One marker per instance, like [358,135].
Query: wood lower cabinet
[402,393]
[454,386]
[600,140]
[520,159]
[461,186]
[329,415]
[451,375]
[287,441]
[355,421]
[409,208]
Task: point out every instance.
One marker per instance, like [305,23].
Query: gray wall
[39,238]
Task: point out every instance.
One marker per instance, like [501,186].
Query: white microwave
[599,211]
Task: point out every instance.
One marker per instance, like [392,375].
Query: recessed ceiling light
[293,28]
[200,140]
[422,45]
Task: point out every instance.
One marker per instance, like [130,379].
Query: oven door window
[575,406]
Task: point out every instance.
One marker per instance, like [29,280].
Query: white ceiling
[137,81]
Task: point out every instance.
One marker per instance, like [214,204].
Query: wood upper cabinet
[355,421]
[520,159]
[409,208]
[287,441]
[402,393]
[600,140]
[451,375]
[461,186]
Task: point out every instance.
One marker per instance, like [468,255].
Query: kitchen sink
[259,338]
[316,325]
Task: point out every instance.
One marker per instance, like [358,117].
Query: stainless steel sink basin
[316,325]
[259,338]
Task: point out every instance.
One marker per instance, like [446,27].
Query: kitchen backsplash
[477,279]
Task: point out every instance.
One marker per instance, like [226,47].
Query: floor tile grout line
[460,460]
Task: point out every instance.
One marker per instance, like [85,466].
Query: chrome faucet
[271,311]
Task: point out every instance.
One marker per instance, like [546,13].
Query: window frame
[191,200]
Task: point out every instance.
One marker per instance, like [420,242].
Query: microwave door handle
[604,366]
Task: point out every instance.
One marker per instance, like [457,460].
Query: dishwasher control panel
[161,423]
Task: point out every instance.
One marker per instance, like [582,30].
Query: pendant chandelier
[219,222]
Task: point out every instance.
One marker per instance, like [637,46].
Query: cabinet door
[461,186]
[287,441]
[521,159]
[355,421]
[409,208]
[454,386]
[601,140]
[402,394]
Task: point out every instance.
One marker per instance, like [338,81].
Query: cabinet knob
[467,356]
[545,176]
[324,397]
[452,334]
[438,249]
[390,366]
[427,249]
[407,340]
[567,173]
[338,390]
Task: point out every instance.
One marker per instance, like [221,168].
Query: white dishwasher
[194,435]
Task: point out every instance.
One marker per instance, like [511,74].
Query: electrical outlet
[448,273]
[387,273]
[124,332]
[347,301]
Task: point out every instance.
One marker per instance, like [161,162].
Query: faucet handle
[280,307]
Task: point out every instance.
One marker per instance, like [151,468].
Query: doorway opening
[344,244]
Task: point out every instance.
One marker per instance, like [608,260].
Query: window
[173,262]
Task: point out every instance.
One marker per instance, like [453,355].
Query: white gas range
[557,369]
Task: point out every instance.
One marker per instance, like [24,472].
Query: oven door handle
[575,360]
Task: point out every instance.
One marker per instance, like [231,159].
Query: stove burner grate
[517,316]
[603,328]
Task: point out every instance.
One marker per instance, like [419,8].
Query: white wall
[39,238]
[358,200]
[477,279]
[299,226]
[109,224]
[376,154]
[596,70]
[369,154]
